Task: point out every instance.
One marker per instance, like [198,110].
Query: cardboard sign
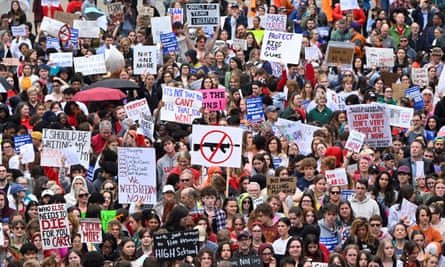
[275,185]
[51,26]
[169,43]
[355,141]
[62,59]
[239,44]
[90,231]
[299,133]
[419,76]
[254,109]
[105,217]
[94,64]
[400,116]
[281,47]
[50,3]
[181,105]
[137,175]
[247,261]
[216,146]
[160,25]
[116,12]
[54,227]
[214,99]
[340,53]
[134,109]
[18,30]
[143,19]
[87,28]
[176,245]
[348,5]
[176,14]
[144,59]
[380,57]
[337,176]
[62,142]
[65,17]
[414,93]
[199,15]
[275,22]
[398,89]
[10,61]
[371,120]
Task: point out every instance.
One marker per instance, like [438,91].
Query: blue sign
[73,41]
[52,42]
[255,110]
[414,93]
[169,43]
[21,140]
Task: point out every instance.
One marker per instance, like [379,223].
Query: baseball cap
[168,188]
[403,169]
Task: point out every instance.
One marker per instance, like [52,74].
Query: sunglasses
[84,195]
[109,188]
[335,192]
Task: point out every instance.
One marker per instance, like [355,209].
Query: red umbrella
[99,94]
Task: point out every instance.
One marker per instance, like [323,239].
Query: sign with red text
[419,76]
[379,57]
[214,99]
[355,141]
[135,109]
[116,12]
[181,105]
[371,120]
[91,231]
[275,22]
[176,14]
[281,47]
[400,116]
[337,176]
[137,175]
[144,59]
[54,228]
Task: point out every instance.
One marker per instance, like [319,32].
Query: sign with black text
[176,245]
[199,15]
[54,228]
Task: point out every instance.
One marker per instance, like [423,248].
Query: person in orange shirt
[423,219]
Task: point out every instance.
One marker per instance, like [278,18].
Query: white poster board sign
[300,133]
[419,76]
[181,105]
[380,57]
[90,65]
[135,109]
[355,141]
[18,30]
[348,5]
[337,176]
[408,211]
[64,59]
[400,116]
[144,59]
[200,15]
[54,227]
[51,26]
[160,25]
[50,3]
[275,22]
[281,47]
[87,28]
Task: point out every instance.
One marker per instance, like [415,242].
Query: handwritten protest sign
[275,22]
[134,109]
[414,93]
[169,43]
[340,53]
[160,25]
[408,211]
[90,231]
[181,105]
[348,5]
[214,99]
[216,146]
[247,261]
[176,14]
[94,64]
[10,61]
[64,59]
[87,28]
[239,44]
[176,245]
[51,26]
[144,59]
[311,53]
[137,175]
[146,125]
[65,17]
[18,30]
[116,12]
[254,109]
[355,141]
[400,116]
[50,3]
[275,185]
[59,142]
[281,47]
[106,216]
[299,133]
[371,120]
[54,228]
[145,13]
[419,76]
[398,89]
[199,15]
[337,176]
[380,57]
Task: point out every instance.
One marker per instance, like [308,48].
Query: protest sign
[371,120]
[398,89]
[420,169]
[239,44]
[105,217]
[58,142]
[51,26]
[21,140]
[196,85]
[348,5]
[275,185]
[73,41]
[52,42]
[337,176]
[414,94]
[90,231]
[65,17]
[299,133]
[145,13]
[199,15]
[134,109]
[23,146]
[169,43]
[340,53]
[137,175]
[176,245]
[275,22]
[400,116]
[355,141]
[281,47]
[214,99]
[87,28]
[389,78]
[146,125]
[254,109]
[94,64]
[380,57]
[176,14]
[144,59]
[408,211]
[18,30]
[160,25]
[181,105]
[419,76]
[54,3]
[116,12]
[311,53]
[64,59]
[216,146]
[54,227]
[247,261]
[320,264]
[10,61]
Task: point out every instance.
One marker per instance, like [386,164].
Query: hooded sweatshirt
[364,208]
[70,198]
[330,237]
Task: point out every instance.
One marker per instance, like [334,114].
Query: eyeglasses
[246,202]
[335,192]
[83,195]
[185,180]
[403,41]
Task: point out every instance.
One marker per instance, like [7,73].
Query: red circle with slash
[218,137]
[64,33]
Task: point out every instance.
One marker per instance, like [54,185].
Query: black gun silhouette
[212,146]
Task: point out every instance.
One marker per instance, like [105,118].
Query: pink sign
[214,99]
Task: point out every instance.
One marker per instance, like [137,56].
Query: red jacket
[359,15]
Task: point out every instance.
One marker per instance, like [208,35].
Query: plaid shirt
[220,219]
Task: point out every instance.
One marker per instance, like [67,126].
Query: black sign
[176,245]
[247,261]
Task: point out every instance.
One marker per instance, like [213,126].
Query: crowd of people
[364,223]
